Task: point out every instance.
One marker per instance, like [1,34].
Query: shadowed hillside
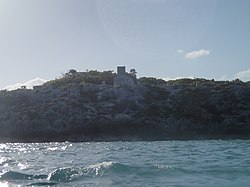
[86,106]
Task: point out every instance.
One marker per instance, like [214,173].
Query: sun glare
[4,184]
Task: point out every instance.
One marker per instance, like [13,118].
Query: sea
[157,163]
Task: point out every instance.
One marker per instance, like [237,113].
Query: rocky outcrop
[153,110]
[124,80]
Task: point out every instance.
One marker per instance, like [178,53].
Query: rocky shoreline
[73,108]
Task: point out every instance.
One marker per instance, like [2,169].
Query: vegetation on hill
[92,77]
[80,107]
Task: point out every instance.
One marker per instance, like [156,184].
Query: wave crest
[69,174]
[72,174]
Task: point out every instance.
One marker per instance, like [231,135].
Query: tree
[71,73]
[133,72]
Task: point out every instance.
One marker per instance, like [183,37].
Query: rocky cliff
[68,109]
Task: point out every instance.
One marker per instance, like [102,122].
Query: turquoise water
[166,163]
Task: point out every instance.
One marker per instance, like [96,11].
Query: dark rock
[152,109]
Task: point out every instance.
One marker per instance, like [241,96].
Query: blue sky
[159,38]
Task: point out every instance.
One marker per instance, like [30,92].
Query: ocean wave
[66,174]
[72,174]
[12,175]
[96,170]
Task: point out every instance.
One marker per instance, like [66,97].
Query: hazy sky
[160,38]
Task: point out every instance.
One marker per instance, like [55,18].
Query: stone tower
[123,79]
[121,70]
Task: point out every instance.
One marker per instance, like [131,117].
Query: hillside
[86,106]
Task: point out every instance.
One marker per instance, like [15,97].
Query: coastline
[69,109]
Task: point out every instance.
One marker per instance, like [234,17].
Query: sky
[41,39]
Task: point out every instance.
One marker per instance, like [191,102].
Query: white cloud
[180,51]
[223,78]
[243,75]
[176,78]
[29,84]
[197,54]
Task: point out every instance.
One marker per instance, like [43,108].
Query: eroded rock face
[93,112]
[124,80]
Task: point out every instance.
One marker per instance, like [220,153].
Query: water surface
[165,163]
